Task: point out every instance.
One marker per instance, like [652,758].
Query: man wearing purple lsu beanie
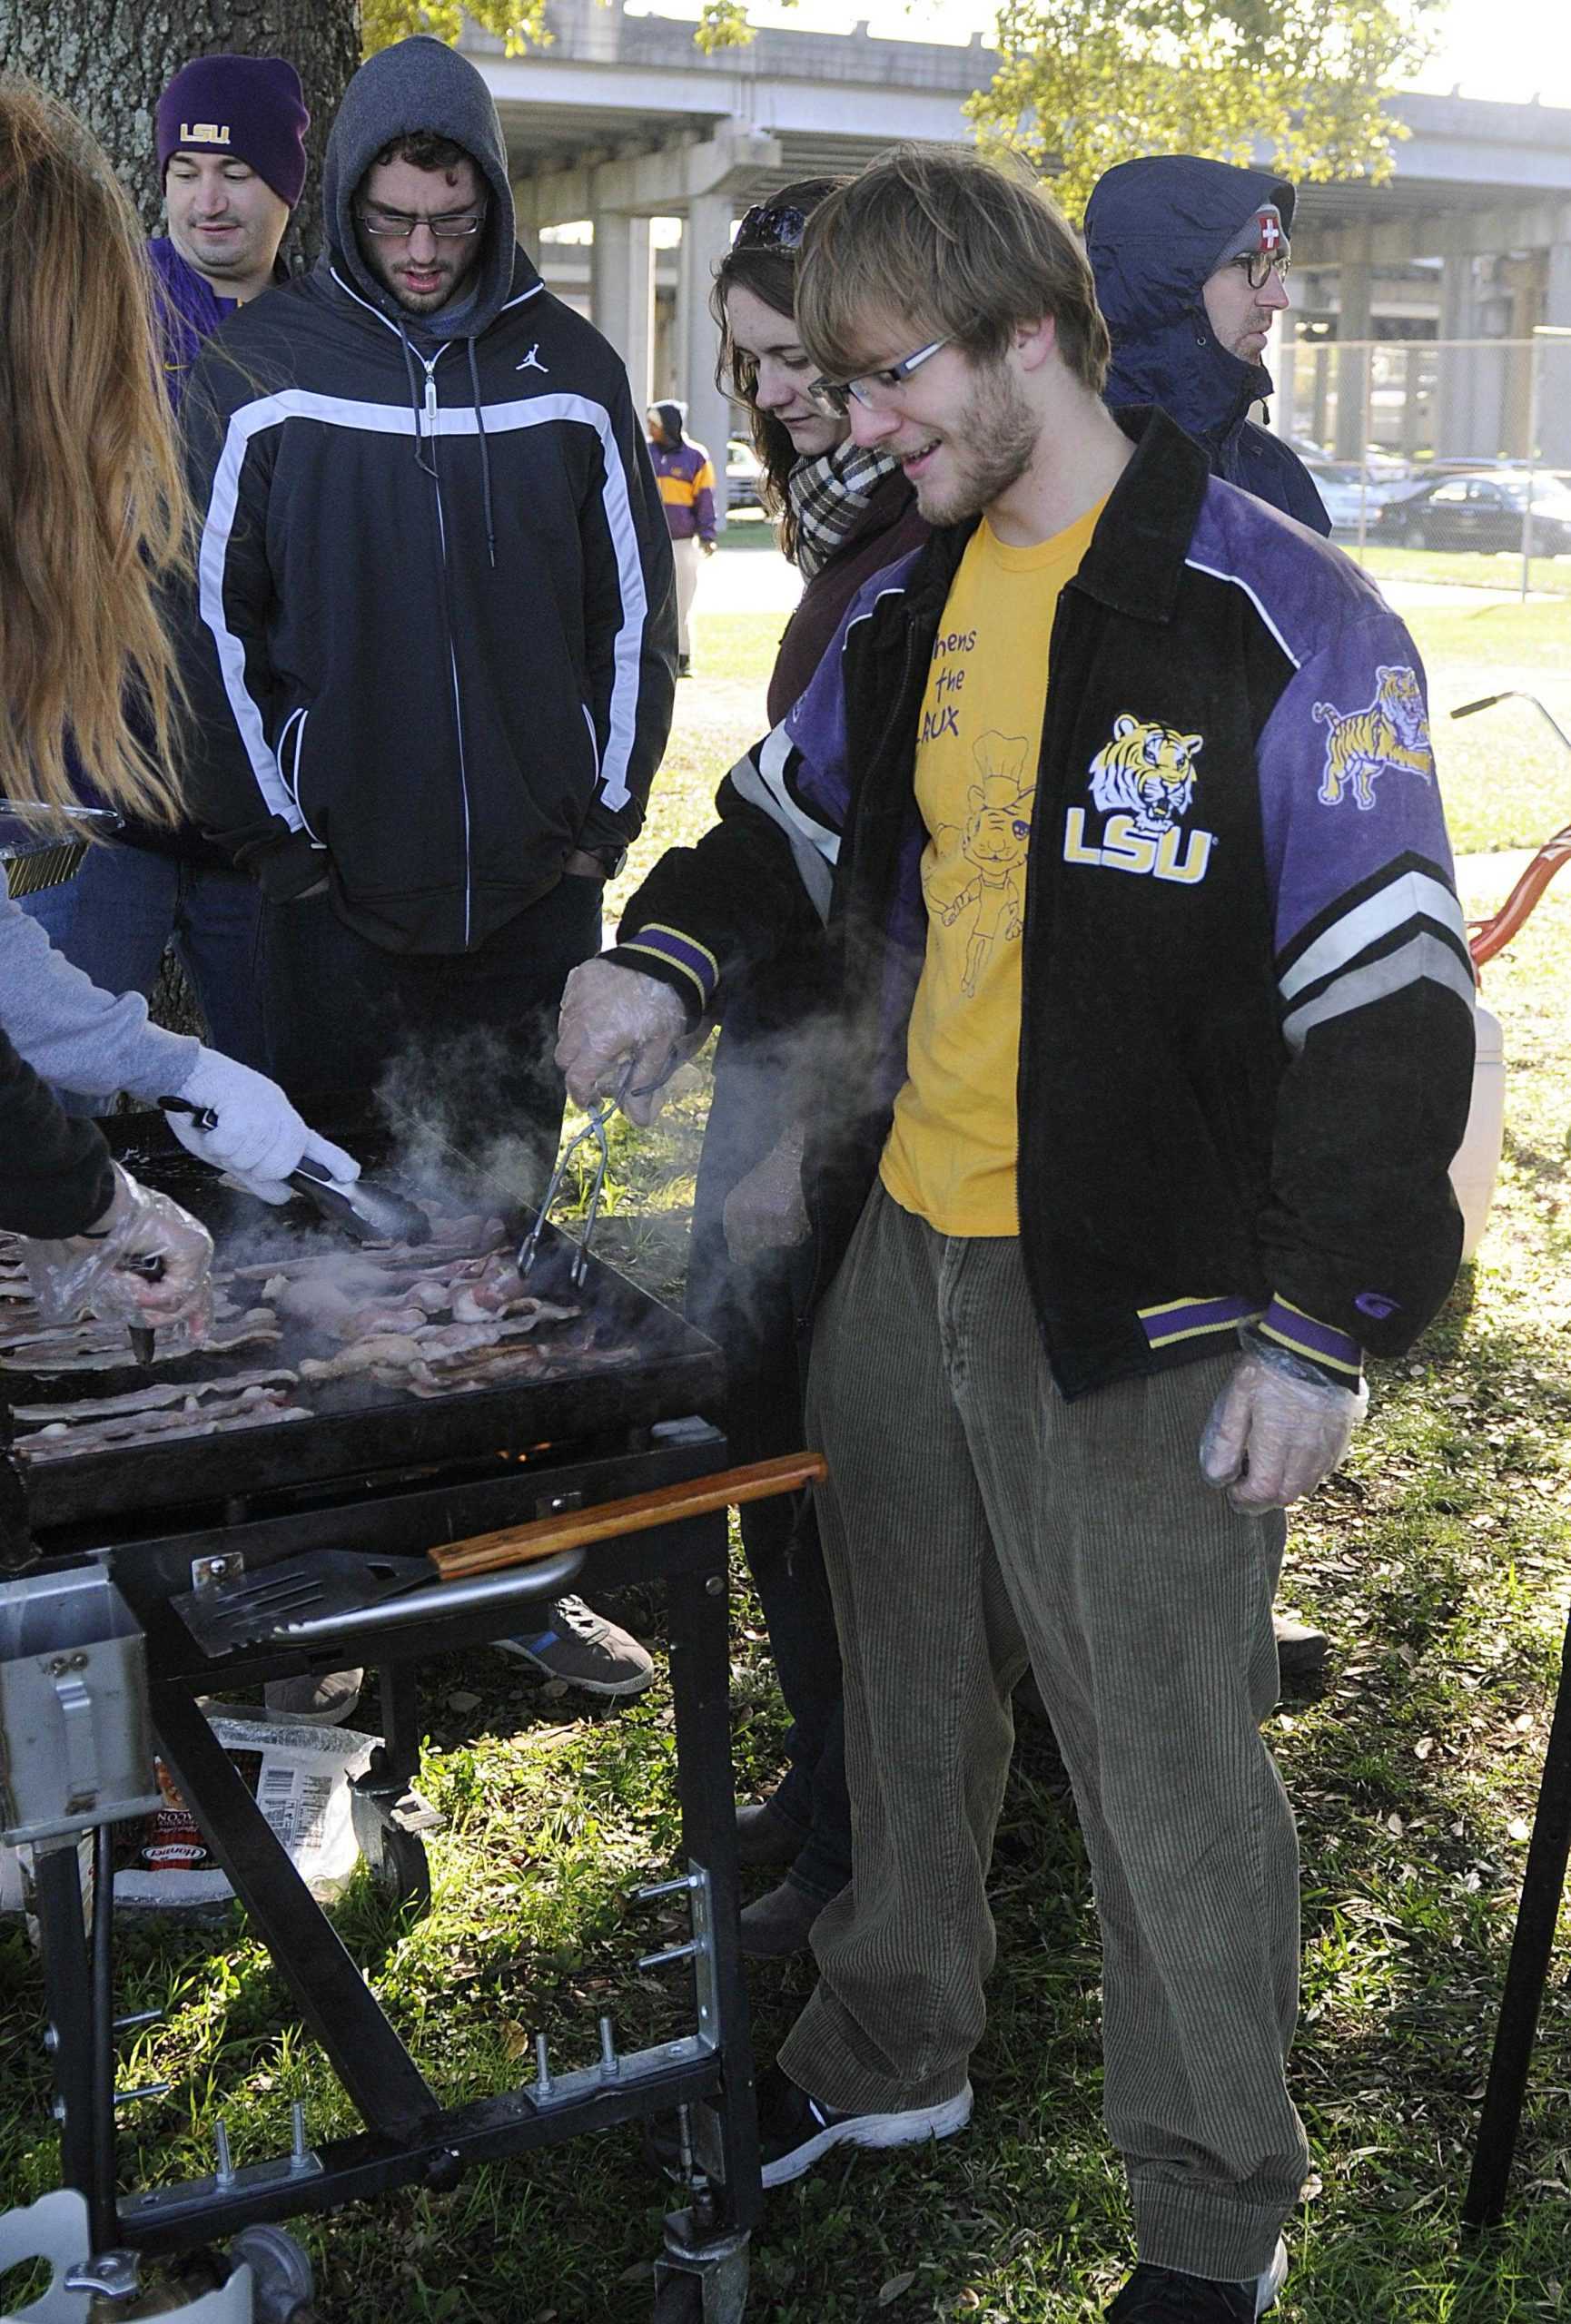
[232,161]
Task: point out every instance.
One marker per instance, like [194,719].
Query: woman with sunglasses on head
[843,513]
[92,523]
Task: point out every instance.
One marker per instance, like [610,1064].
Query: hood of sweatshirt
[1155,230]
[422,84]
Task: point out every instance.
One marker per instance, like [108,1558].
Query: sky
[1507,49]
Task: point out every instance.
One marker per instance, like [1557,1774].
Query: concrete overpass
[622,120]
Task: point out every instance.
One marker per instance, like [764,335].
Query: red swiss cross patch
[1271,233]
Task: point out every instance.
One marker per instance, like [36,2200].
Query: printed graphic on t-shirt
[988,849]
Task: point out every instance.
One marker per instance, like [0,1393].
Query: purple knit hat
[248,107]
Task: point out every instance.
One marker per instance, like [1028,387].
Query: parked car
[742,470]
[1482,512]
[1345,487]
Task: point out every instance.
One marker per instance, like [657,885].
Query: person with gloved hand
[83,1221]
[82,1039]
[142,1262]
[1143,1026]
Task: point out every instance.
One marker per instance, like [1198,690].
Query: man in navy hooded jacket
[1190,258]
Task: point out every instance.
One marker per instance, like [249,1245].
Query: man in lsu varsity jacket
[1148,1029]
[431,651]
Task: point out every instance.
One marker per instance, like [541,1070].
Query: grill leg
[700,1688]
[401,1724]
[1542,1884]
[68,1999]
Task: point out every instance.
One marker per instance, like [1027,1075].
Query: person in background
[842,513]
[87,543]
[431,656]
[1190,261]
[229,134]
[686,482]
[1146,1053]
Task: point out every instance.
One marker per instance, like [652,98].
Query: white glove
[1276,1429]
[764,1211]
[612,1017]
[96,1271]
[259,1139]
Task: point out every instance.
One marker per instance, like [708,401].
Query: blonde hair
[93,507]
[952,245]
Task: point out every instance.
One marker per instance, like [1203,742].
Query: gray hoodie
[420,83]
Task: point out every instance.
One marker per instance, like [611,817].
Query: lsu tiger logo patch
[1143,784]
[1391,732]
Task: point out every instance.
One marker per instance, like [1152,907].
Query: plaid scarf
[828,494]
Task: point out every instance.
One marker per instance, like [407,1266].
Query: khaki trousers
[689,558]
[973,1519]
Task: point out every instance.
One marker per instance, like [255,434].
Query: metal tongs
[596,1131]
[367,1212]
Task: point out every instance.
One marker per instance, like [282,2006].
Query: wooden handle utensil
[575,1528]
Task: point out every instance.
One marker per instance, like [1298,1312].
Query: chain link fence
[1442,459]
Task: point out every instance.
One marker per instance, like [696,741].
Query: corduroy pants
[973,1519]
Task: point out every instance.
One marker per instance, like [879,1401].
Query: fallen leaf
[464,1700]
[895,2287]
[1518,1829]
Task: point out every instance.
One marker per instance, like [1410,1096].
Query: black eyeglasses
[872,390]
[398,225]
[771,226]
[1260,265]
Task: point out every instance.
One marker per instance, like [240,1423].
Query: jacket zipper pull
[430,403]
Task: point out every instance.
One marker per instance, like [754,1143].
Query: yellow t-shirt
[952,1149]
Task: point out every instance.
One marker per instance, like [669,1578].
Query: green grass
[1439,1557]
[1464,569]
[1505,780]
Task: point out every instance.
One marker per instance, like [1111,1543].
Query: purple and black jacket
[1246,1023]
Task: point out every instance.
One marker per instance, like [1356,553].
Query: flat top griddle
[645,1364]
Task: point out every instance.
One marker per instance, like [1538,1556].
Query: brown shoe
[779,1924]
[766,1841]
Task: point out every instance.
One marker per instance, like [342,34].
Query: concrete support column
[1552,358]
[705,239]
[621,294]
[1320,389]
[1414,356]
[1283,361]
[527,215]
[1459,364]
[1355,280]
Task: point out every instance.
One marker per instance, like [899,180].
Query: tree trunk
[111,60]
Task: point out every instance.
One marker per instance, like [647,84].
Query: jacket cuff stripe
[1292,1328]
[1189,1319]
[668,945]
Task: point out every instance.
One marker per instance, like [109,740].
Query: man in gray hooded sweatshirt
[431,643]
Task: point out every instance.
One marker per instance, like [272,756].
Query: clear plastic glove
[1277,1428]
[259,1138]
[145,1261]
[765,1210]
[613,1019]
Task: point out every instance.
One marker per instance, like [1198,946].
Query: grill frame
[457,1466]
